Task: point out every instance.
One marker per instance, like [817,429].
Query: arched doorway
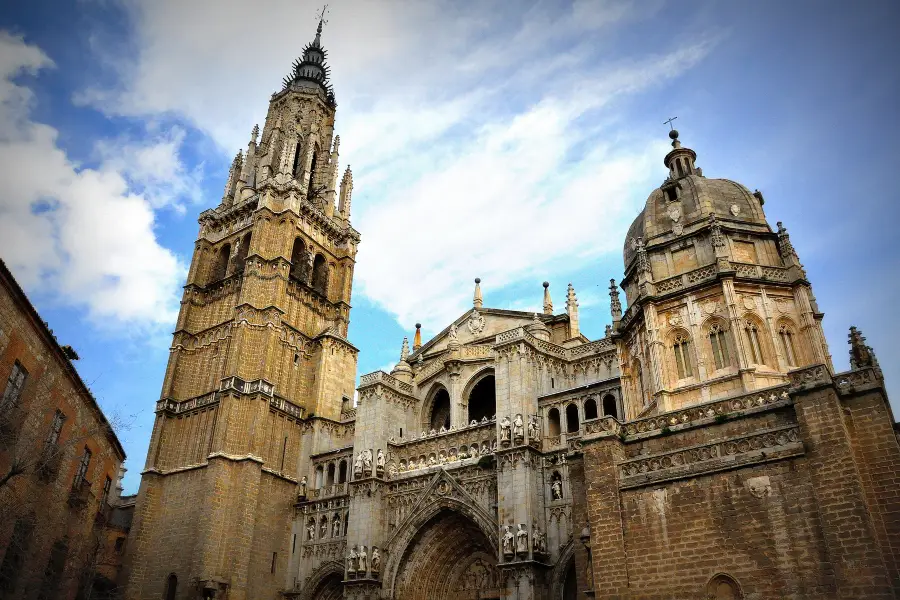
[483,399]
[570,586]
[330,588]
[449,558]
[440,410]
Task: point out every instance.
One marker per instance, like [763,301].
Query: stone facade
[704,448]
[59,461]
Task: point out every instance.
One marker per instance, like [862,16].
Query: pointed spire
[477,299]
[615,307]
[572,311]
[861,355]
[310,71]
[404,349]
[784,242]
[254,134]
[346,193]
[417,340]
[548,303]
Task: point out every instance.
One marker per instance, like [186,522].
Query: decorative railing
[348,415]
[174,406]
[858,377]
[709,410]
[759,271]
[328,491]
[477,351]
[385,379]
[247,387]
[288,407]
[572,353]
[430,369]
[443,448]
[769,444]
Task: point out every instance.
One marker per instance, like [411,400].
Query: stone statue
[508,540]
[367,461]
[351,560]
[518,428]
[376,559]
[504,429]
[533,433]
[522,540]
[379,461]
[556,489]
[303,485]
[358,465]
[323,529]
[311,530]
[363,567]
[453,335]
[538,541]
[336,527]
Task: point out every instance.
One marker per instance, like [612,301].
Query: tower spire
[310,71]
[548,303]
[417,340]
[477,299]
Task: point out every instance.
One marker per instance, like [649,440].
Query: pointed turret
[538,329]
[310,71]
[572,311]
[548,303]
[234,174]
[861,354]
[680,161]
[477,299]
[346,194]
[403,371]
[615,306]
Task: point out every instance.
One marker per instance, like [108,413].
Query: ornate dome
[686,197]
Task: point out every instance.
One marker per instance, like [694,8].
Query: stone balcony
[443,448]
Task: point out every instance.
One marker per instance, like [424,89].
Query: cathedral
[703,448]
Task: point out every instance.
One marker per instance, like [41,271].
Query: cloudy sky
[512,141]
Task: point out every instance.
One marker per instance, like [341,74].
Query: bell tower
[260,345]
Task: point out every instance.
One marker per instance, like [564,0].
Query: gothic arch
[681,356]
[319,280]
[758,345]
[561,570]
[790,340]
[437,402]
[325,583]
[443,511]
[480,378]
[722,586]
[718,344]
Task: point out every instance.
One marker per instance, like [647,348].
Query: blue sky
[510,141]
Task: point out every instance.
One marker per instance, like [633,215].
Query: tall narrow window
[53,572]
[787,343]
[610,406]
[320,274]
[221,267]
[104,495]
[14,385]
[81,473]
[718,346]
[16,550]
[311,191]
[553,422]
[681,349]
[55,430]
[242,250]
[296,168]
[171,586]
[572,419]
[298,260]
[752,333]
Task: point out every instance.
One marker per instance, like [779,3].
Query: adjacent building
[703,448]
[59,461]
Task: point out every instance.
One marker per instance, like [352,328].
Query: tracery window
[719,346]
[752,332]
[786,334]
[681,350]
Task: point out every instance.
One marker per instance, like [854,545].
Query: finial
[861,355]
[322,21]
[615,306]
[548,303]
[417,339]
[477,299]
[404,350]
[254,134]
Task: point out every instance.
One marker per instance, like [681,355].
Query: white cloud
[77,233]
[485,141]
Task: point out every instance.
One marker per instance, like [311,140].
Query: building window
[274,560]
[553,422]
[610,406]
[14,385]
[320,274]
[13,559]
[787,345]
[718,346]
[752,333]
[571,418]
[311,191]
[590,409]
[120,545]
[55,429]
[681,349]
[54,570]
[104,496]
[298,260]
[171,586]
[221,267]
[81,473]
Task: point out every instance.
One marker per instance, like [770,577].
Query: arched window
[681,349]
[298,260]
[311,191]
[571,418]
[723,587]
[718,346]
[342,472]
[295,169]
[221,267]
[754,347]
[171,586]
[786,334]
[440,411]
[329,481]
[320,477]
[590,409]
[320,274]
[553,422]
[241,256]
[483,400]
[640,388]
[610,406]
[336,525]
